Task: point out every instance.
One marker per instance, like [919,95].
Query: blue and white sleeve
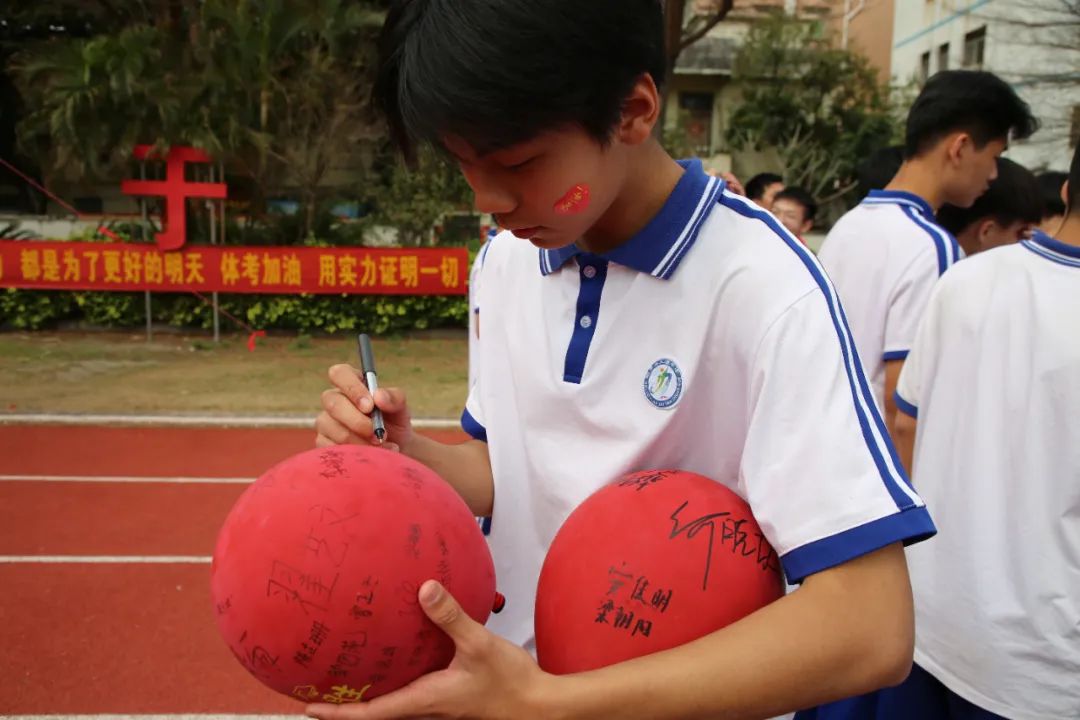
[818,467]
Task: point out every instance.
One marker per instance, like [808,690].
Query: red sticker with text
[576,200]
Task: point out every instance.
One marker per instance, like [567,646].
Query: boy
[885,255]
[1004,214]
[763,188]
[995,454]
[621,266]
[796,209]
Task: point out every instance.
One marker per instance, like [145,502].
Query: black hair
[1074,183]
[755,189]
[1050,183]
[1013,196]
[878,170]
[973,101]
[496,73]
[801,196]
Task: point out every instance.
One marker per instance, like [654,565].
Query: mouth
[526,233]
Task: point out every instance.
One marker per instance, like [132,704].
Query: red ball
[650,562]
[317,568]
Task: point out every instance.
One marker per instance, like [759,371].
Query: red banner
[204,268]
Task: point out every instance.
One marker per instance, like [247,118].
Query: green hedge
[375,314]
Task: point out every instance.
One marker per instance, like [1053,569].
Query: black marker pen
[367,366]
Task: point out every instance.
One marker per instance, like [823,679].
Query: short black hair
[1050,183]
[1074,184]
[496,73]
[1013,196]
[973,101]
[801,196]
[878,170]
[755,189]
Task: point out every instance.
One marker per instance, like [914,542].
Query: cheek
[575,201]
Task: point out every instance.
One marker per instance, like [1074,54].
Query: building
[1033,44]
[865,27]
[701,96]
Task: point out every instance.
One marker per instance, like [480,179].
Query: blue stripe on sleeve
[948,251]
[896,355]
[910,526]
[471,426]
[904,406]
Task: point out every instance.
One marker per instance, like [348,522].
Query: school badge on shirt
[664,384]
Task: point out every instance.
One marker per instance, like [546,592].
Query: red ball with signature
[317,568]
[648,563]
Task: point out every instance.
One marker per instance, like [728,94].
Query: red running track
[124,638]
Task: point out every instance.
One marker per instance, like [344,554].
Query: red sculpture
[175,189]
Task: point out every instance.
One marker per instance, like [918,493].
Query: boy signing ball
[636,314]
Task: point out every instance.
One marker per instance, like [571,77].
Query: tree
[414,199]
[820,108]
[275,89]
[682,32]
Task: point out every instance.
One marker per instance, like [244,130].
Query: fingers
[340,417]
[348,380]
[390,400]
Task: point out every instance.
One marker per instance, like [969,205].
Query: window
[697,109]
[975,49]
[924,67]
[943,57]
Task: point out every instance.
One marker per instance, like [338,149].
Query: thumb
[443,610]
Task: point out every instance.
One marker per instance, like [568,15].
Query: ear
[987,230]
[1065,197]
[807,227]
[956,145]
[640,113]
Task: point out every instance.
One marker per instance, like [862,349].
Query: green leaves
[821,108]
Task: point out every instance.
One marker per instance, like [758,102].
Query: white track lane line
[126,479]
[153,717]
[104,560]
[303,422]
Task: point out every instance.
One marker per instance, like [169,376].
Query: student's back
[995,381]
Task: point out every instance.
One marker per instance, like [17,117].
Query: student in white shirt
[885,255]
[635,315]
[989,404]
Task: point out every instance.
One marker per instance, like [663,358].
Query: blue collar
[1053,249]
[661,245]
[899,197]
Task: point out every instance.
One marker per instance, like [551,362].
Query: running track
[105,538]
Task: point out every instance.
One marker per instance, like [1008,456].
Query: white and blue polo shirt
[994,379]
[884,257]
[710,342]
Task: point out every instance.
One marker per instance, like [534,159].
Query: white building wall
[1032,44]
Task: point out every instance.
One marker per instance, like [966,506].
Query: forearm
[836,637]
[904,437]
[466,467]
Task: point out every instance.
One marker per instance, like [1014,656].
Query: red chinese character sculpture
[175,189]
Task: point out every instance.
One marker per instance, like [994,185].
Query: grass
[73,372]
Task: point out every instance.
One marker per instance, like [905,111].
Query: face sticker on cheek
[576,200]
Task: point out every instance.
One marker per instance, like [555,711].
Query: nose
[490,196]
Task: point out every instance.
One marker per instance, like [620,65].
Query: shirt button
[586,322]
[589,272]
